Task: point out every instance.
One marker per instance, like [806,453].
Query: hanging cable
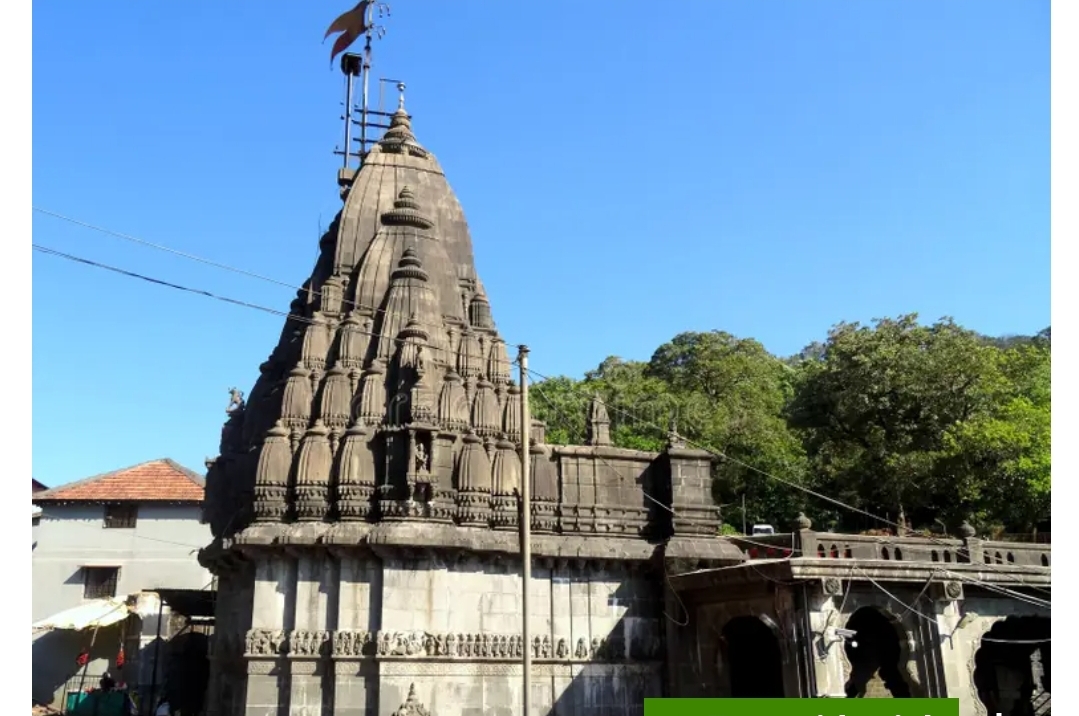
[303,319]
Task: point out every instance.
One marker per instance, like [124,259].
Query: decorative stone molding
[543,670]
[948,591]
[832,586]
[451,645]
[261,667]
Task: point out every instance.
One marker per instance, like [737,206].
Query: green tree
[933,421]
[731,394]
[559,403]
[1010,444]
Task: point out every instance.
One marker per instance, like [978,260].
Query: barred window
[121,516]
[100,582]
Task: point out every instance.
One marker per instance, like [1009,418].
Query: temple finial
[401,96]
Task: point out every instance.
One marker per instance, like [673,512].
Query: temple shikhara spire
[366,498]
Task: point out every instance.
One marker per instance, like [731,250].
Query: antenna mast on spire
[355,65]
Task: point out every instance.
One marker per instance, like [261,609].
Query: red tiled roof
[38,487]
[154,481]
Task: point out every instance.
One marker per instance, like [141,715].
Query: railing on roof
[774,546]
[829,545]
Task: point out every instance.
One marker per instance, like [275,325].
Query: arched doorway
[1012,667]
[875,655]
[753,659]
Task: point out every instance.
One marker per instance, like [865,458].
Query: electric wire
[813,493]
[910,608]
[135,535]
[303,319]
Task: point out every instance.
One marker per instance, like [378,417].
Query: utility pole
[526,529]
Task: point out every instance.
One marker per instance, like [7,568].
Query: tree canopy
[935,423]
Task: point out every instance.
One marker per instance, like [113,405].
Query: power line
[709,449]
[776,478]
[913,610]
[68,523]
[161,247]
[373,310]
[167,284]
[207,294]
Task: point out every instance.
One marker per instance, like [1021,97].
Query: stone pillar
[355,686]
[561,606]
[267,687]
[274,598]
[830,666]
[961,637]
[355,674]
[580,629]
[228,671]
[315,619]
[272,617]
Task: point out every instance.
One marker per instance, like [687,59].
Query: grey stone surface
[939,613]
[365,503]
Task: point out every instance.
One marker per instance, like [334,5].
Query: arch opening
[875,653]
[1012,667]
[754,660]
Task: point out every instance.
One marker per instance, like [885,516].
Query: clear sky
[629,171]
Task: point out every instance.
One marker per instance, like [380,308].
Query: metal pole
[366,70]
[526,530]
[348,115]
[744,514]
[157,654]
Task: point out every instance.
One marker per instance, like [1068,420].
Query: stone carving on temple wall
[353,643]
[454,645]
[412,705]
[308,643]
[913,669]
[265,642]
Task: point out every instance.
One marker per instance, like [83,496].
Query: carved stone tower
[365,501]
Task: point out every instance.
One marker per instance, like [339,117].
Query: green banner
[801,707]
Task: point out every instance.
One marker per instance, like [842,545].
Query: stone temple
[365,504]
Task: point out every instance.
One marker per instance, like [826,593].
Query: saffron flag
[351,25]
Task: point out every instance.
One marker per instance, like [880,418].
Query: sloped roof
[38,487]
[155,481]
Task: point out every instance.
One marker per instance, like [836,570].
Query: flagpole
[348,113]
[526,531]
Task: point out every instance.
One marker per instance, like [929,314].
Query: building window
[100,582]
[121,516]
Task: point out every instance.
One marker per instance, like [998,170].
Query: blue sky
[629,170]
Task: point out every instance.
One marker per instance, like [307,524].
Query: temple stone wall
[938,636]
[351,632]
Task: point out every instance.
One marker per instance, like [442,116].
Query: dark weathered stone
[372,487]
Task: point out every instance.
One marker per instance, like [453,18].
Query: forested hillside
[934,422]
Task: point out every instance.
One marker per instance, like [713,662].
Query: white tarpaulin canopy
[93,613]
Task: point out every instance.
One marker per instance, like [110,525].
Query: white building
[116,537]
